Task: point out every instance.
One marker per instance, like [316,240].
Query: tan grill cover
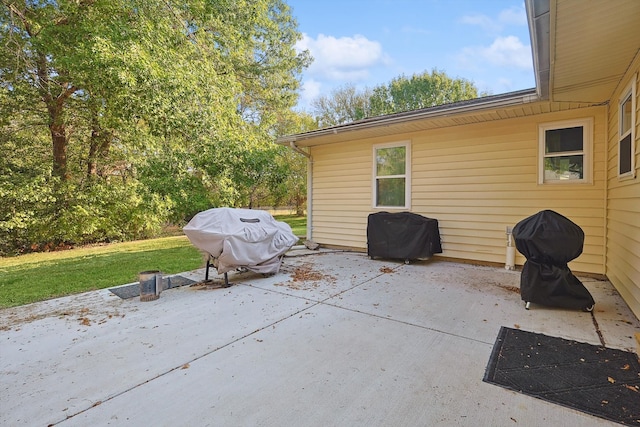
[247,238]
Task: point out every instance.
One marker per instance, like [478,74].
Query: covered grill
[240,238]
[403,235]
[549,241]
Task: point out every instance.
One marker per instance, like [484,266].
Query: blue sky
[369,42]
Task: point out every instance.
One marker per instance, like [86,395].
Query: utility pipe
[510,263]
[293,145]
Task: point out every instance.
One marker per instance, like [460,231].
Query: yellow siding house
[480,166]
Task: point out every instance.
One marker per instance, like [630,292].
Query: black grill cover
[548,237]
[549,241]
[553,286]
[402,235]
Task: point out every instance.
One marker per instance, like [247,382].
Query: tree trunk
[95,147]
[92,164]
[300,205]
[55,107]
[59,138]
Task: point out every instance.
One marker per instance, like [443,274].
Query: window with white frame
[565,152]
[392,175]
[627,124]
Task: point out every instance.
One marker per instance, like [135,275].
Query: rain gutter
[539,19]
[461,107]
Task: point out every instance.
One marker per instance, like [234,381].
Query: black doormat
[133,290]
[600,381]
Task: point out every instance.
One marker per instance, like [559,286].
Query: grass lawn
[298,224]
[40,276]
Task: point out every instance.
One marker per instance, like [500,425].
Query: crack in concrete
[598,331]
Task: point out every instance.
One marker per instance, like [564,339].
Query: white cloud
[513,16]
[506,51]
[503,84]
[344,58]
[311,89]
[483,21]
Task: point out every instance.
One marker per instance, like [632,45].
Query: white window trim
[407,175]
[629,91]
[587,148]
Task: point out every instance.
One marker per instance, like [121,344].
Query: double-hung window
[565,152]
[392,175]
[627,124]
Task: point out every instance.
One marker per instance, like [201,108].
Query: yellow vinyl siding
[479,179]
[341,193]
[475,179]
[623,204]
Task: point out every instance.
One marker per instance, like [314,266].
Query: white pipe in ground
[510,263]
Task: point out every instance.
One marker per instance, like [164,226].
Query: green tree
[114,93]
[419,91]
[345,104]
[292,189]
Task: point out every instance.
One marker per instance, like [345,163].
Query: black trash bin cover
[549,238]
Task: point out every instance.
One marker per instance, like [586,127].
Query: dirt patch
[83,316]
[209,285]
[76,309]
[306,277]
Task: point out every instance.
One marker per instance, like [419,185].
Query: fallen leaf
[626,367]
[185,366]
[611,380]
[632,388]
[604,402]
[516,326]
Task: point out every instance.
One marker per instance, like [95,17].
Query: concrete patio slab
[333,339]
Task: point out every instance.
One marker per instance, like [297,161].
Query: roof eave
[539,18]
[489,102]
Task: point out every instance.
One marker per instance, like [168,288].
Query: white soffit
[592,45]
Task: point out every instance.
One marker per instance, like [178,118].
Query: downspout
[606,189]
[293,145]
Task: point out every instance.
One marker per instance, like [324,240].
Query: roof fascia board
[486,103]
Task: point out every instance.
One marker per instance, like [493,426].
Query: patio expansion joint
[327,302]
[597,328]
[404,322]
[182,365]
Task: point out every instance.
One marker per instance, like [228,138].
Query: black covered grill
[402,235]
[549,241]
